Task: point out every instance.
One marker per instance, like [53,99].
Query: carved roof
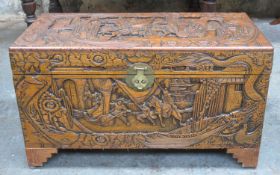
[156,31]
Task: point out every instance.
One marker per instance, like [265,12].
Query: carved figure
[147,114]
[120,111]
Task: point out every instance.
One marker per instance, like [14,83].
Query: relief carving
[120,81]
[147,30]
[44,62]
[182,111]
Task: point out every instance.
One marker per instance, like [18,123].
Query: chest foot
[248,157]
[37,156]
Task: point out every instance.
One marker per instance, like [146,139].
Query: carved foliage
[44,62]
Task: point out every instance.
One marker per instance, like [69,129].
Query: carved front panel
[194,102]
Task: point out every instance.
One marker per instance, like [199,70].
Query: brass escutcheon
[140,76]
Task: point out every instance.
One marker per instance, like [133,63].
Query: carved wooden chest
[127,81]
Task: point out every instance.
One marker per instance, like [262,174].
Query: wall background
[257,8]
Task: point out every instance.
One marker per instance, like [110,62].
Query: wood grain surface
[170,31]
[72,93]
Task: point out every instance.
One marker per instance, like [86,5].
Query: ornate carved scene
[120,81]
[179,111]
[145,30]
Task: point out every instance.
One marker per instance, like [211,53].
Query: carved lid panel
[160,31]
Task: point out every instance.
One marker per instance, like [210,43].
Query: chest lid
[155,31]
[168,43]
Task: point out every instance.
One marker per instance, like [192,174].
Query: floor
[13,160]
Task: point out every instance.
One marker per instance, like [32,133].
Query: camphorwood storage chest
[140,81]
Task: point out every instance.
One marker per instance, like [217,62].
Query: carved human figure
[147,114]
[157,105]
[92,100]
[120,111]
[174,112]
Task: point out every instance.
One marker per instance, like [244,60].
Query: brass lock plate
[140,76]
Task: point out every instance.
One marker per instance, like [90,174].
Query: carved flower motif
[49,103]
[101,139]
[57,58]
[26,63]
[97,59]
